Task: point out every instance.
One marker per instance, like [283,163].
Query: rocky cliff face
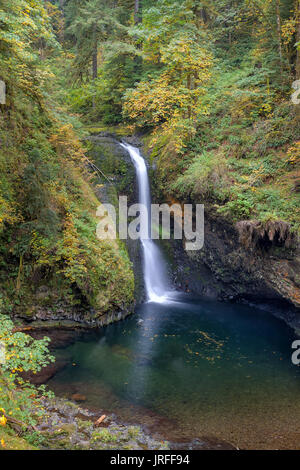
[241,261]
[248,260]
[112,174]
[245,261]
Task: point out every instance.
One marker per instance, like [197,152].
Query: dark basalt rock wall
[266,270]
[249,260]
[245,261]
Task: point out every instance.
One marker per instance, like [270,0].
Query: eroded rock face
[115,177]
[248,261]
[254,234]
[46,373]
[67,317]
[115,164]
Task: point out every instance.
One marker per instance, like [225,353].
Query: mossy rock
[105,436]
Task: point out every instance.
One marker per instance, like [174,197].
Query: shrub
[206,177]
[20,400]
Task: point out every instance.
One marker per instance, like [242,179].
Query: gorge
[198,367]
[139,343]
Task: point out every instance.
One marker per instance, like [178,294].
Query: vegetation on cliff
[49,253]
[50,256]
[210,83]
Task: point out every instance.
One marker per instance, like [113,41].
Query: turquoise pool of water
[192,368]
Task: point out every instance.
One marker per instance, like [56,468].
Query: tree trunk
[137,12]
[62,9]
[95,60]
[95,69]
[200,16]
[298,39]
[189,87]
[95,63]
[278,18]
[95,54]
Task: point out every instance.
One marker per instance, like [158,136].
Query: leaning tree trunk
[138,19]
[95,69]
[62,10]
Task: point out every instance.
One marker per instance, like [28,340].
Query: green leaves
[18,398]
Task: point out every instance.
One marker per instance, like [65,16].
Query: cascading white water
[157,287]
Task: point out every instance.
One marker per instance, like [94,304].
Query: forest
[211,92]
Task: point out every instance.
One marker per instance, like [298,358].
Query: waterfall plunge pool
[192,369]
[185,368]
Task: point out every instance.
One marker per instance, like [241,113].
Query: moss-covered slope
[50,255]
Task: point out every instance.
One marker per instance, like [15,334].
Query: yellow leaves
[3,420]
[2,443]
[293,154]
[171,102]
[66,142]
[288,30]
[7,212]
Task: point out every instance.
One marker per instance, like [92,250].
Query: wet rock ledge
[65,425]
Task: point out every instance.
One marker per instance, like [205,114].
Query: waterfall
[156,284]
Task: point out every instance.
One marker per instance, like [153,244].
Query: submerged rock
[45,374]
[78,397]
[65,425]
